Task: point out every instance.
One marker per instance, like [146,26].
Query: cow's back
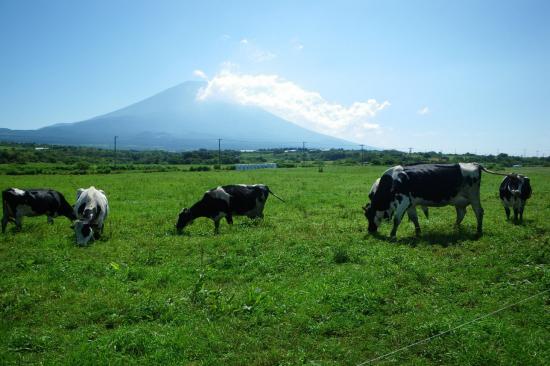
[431,182]
[245,198]
[37,201]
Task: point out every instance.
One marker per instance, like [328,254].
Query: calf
[227,201]
[17,203]
[514,190]
[91,209]
[401,189]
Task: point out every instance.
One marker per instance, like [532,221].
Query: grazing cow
[33,202]
[515,189]
[226,201]
[91,209]
[401,189]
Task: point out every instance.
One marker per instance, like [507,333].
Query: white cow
[91,209]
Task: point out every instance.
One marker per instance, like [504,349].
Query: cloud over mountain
[288,100]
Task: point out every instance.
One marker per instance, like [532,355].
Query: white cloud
[289,101]
[254,52]
[200,74]
[258,55]
[225,37]
[423,111]
[297,45]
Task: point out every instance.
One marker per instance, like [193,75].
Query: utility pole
[220,153]
[115,152]
[410,150]
[362,159]
[303,151]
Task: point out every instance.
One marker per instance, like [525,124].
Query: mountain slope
[175,120]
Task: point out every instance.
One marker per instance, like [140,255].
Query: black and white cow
[17,203]
[227,201]
[402,188]
[91,209]
[514,191]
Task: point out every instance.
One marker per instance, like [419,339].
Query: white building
[255,166]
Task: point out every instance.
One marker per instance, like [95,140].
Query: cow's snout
[372,228]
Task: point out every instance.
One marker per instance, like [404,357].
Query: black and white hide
[514,191]
[91,209]
[18,203]
[227,201]
[373,189]
[402,188]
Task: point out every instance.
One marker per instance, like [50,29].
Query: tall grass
[307,285]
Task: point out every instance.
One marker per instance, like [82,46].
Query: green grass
[308,285]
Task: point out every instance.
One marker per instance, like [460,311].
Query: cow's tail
[490,171]
[270,191]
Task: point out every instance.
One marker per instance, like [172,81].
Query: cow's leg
[460,213]
[507,210]
[97,231]
[18,222]
[4,222]
[476,205]
[411,212]
[400,210]
[229,219]
[516,212]
[425,210]
[217,225]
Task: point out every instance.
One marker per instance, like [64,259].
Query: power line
[220,152]
[114,158]
[451,330]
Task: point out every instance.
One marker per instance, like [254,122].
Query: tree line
[83,157]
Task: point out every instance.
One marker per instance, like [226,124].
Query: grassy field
[308,285]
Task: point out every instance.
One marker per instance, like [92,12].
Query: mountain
[174,120]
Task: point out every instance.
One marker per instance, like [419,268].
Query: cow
[91,209]
[514,191]
[18,203]
[402,188]
[227,201]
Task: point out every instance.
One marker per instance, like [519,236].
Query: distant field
[308,285]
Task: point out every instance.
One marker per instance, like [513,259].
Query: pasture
[307,285]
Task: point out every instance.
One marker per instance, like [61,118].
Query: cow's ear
[79,192]
[102,192]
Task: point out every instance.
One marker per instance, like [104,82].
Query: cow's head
[67,210]
[84,232]
[380,207]
[185,218]
[514,184]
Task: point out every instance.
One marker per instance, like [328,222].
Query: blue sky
[441,75]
